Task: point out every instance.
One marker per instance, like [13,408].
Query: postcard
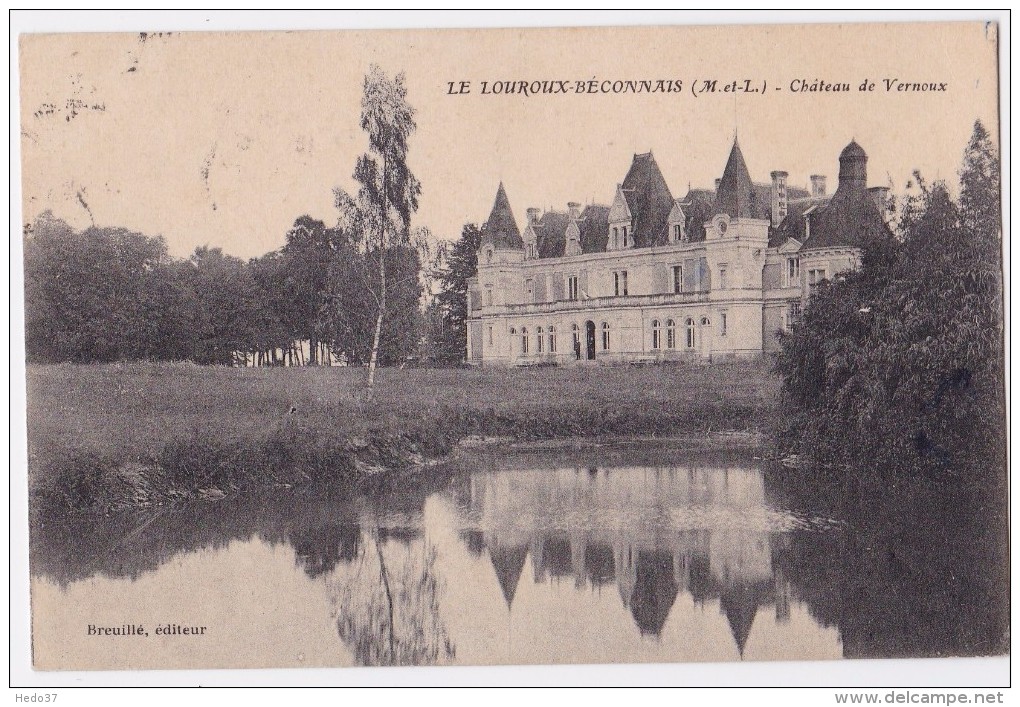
[671,344]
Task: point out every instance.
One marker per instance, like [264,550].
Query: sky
[224,139]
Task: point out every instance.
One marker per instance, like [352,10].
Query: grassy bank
[108,436]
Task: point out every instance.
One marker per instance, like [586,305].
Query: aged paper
[576,549]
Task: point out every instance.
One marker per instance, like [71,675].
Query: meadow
[106,436]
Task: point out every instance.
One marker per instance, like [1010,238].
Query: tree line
[111,294]
[899,366]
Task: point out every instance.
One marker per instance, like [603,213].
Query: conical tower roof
[508,562]
[736,195]
[500,229]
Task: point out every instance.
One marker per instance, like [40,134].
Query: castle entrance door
[589,330]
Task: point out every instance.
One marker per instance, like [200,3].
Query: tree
[899,366]
[450,342]
[91,296]
[388,191]
[306,260]
[222,283]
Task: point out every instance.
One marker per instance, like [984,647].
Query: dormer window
[626,240]
[488,255]
[792,272]
[678,232]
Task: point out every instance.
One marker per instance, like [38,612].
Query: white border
[950,672]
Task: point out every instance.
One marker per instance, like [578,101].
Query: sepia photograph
[666,344]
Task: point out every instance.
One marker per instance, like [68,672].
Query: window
[488,295]
[670,334]
[722,323]
[490,336]
[705,321]
[529,289]
[723,280]
[524,340]
[620,282]
[793,315]
[605,336]
[531,250]
[539,340]
[656,335]
[616,237]
[488,255]
[690,332]
[552,339]
[572,287]
[678,279]
[815,276]
[792,272]
[678,232]
[577,339]
[626,242]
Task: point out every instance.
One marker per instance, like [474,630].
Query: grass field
[232,427]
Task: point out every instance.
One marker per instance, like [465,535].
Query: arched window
[690,333]
[605,336]
[670,334]
[539,341]
[656,335]
[524,340]
[705,321]
[552,339]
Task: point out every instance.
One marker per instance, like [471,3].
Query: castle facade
[710,276]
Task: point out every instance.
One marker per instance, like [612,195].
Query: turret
[501,239]
[853,166]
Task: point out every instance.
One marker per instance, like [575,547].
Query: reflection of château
[655,532]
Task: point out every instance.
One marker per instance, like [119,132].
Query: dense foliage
[900,365]
[109,294]
[448,326]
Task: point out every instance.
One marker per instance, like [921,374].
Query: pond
[614,553]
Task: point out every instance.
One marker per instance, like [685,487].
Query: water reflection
[542,558]
[656,533]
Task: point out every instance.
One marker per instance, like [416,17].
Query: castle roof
[737,195]
[550,234]
[649,200]
[594,226]
[848,218]
[500,229]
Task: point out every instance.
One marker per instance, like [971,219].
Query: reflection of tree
[319,550]
[919,571]
[387,611]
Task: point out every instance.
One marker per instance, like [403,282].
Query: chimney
[718,181]
[575,210]
[881,197]
[533,214]
[779,198]
[817,185]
